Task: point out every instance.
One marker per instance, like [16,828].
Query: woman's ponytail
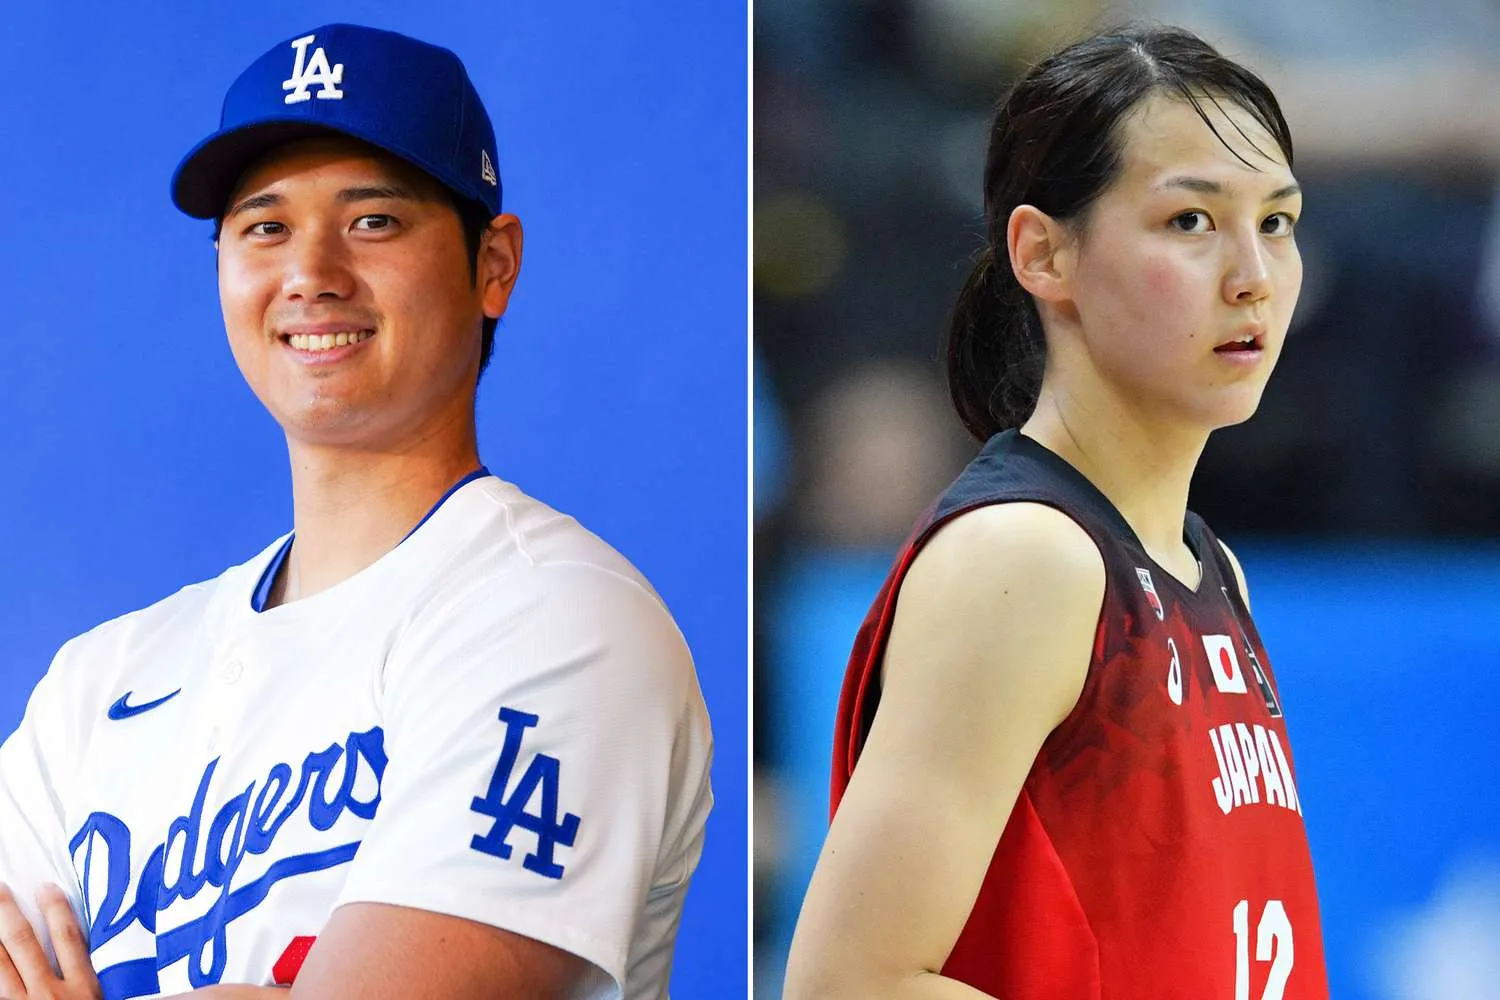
[995,349]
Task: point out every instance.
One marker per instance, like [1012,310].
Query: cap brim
[207,176]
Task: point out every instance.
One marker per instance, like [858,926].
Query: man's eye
[1192,222]
[374,223]
[266,229]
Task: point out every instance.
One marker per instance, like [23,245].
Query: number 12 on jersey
[1273,940]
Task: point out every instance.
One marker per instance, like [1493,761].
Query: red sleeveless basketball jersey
[1157,848]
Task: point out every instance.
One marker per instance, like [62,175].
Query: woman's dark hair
[1057,144]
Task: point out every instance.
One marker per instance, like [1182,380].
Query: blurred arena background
[1364,499]
[135,459]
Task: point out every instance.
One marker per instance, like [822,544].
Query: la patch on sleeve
[507,805]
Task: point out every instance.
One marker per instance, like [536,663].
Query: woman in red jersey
[1061,766]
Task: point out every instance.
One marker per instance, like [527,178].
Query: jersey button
[231,671]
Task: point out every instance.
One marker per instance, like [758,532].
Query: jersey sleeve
[547,762]
[36,763]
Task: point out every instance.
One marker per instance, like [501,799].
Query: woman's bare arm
[988,653]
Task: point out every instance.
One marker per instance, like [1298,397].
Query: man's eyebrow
[1202,186]
[258,201]
[348,195]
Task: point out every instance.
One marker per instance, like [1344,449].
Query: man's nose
[317,267]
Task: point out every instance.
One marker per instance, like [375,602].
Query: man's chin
[328,423]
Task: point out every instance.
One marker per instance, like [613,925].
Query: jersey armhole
[867,701]
[1086,694]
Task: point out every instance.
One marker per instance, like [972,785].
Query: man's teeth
[325,341]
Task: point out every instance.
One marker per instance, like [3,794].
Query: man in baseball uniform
[439,740]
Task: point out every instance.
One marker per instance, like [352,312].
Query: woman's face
[1186,273]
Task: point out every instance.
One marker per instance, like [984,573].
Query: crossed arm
[367,950]
[25,972]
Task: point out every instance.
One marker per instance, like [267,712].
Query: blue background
[134,458]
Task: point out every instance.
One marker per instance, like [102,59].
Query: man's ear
[499,263]
[1040,253]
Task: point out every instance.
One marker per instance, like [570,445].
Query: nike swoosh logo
[121,710]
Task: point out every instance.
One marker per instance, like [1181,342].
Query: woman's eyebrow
[1203,186]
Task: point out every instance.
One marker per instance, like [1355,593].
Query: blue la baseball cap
[407,97]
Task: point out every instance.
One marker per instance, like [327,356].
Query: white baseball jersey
[497,720]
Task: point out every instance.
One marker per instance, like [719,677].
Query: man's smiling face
[348,295]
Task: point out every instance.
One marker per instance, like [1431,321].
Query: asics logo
[122,709]
[1174,675]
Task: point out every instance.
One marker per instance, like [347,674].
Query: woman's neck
[1143,466]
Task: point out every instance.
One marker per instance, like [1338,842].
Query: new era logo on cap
[407,97]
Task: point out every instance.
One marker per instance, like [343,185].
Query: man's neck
[349,510]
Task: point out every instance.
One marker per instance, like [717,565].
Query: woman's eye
[1279,224]
[1192,222]
[374,223]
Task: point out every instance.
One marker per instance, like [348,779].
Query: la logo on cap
[313,71]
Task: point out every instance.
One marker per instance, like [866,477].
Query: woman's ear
[1040,253]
